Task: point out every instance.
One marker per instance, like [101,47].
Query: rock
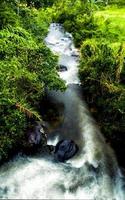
[68,35]
[75,53]
[65,149]
[62,68]
[93,169]
[48,149]
[36,135]
[36,139]
[65,39]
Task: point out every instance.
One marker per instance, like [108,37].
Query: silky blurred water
[93,173]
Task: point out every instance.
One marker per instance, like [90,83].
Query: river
[93,173]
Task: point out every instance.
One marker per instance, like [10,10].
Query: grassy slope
[111,22]
[115,18]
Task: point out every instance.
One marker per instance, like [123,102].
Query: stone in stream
[65,149]
[37,135]
[75,53]
[36,140]
[62,68]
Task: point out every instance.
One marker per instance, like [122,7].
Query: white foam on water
[54,141]
[61,43]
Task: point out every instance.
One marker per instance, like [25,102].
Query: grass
[112,20]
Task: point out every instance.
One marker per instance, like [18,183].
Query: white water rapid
[93,174]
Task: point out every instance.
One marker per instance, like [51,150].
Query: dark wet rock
[62,68]
[69,35]
[36,139]
[36,135]
[3,192]
[65,149]
[51,148]
[36,143]
[75,53]
[83,182]
[65,39]
[48,150]
[93,169]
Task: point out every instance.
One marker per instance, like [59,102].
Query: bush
[77,18]
[27,67]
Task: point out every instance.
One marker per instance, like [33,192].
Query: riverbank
[105,95]
[27,67]
[100,35]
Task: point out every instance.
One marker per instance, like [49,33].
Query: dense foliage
[101,72]
[27,67]
[77,18]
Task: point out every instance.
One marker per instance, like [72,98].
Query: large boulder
[65,149]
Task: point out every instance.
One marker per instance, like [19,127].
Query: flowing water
[93,173]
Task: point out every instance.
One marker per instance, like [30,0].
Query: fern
[28,111]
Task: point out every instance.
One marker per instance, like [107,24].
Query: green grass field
[112,21]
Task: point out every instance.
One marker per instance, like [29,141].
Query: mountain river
[93,173]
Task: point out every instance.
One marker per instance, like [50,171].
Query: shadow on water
[60,110]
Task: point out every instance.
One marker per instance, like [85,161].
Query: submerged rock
[65,149]
[75,53]
[62,68]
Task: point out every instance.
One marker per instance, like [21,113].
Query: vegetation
[102,79]
[111,23]
[98,30]
[77,18]
[27,68]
